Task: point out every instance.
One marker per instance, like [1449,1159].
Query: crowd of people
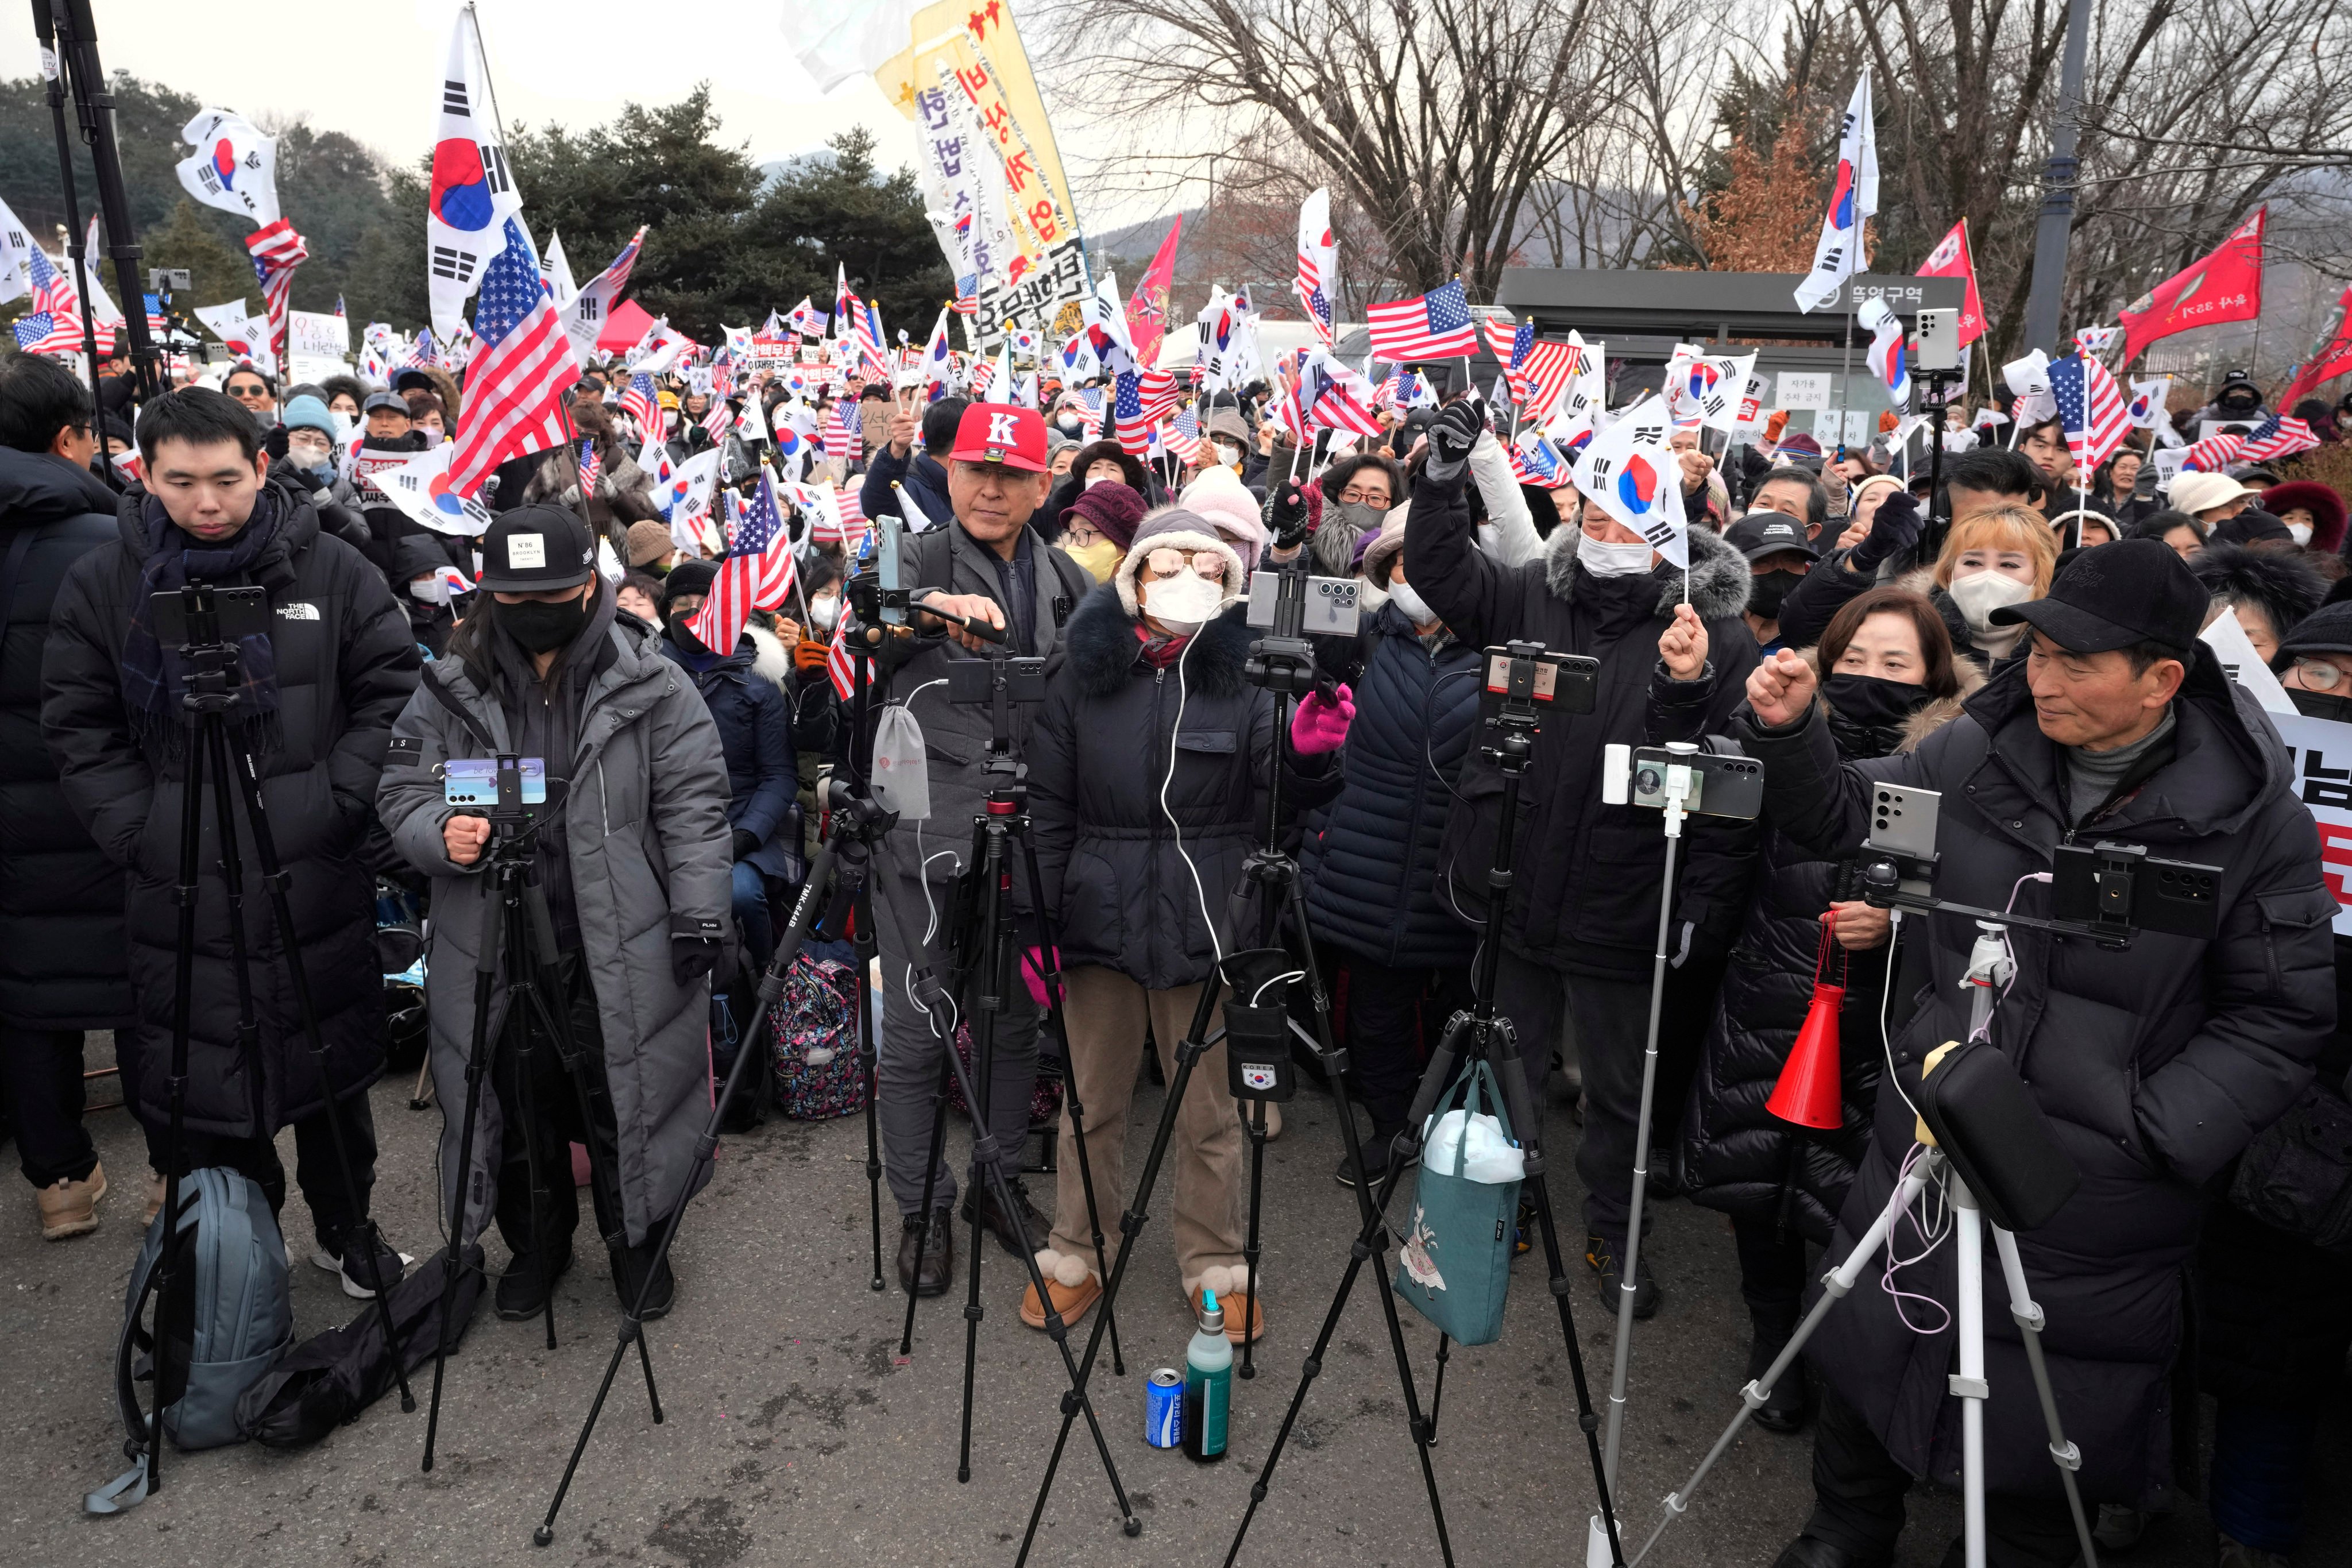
[2027,640]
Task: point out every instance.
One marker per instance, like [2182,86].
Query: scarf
[155,677]
[1159,650]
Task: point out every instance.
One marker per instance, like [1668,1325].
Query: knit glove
[744,843]
[1450,440]
[1286,514]
[809,653]
[1894,528]
[695,948]
[1318,725]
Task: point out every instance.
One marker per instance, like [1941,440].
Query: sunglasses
[1167,562]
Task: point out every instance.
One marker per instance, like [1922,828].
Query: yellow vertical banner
[961,35]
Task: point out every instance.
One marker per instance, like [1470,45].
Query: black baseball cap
[2136,590]
[391,400]
[535,549]
[1762,534]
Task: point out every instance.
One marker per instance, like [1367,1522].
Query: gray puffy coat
[646,819]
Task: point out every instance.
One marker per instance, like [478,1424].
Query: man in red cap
[984,563]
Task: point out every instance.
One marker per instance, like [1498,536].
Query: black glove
[695,948]
[743,842]
[1286,514]
[1897,527]
[1450,440]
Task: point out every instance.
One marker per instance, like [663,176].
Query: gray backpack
[231,1322]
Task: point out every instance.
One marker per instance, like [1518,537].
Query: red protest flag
[2224,285]
[2330,359]
[1952,258]
[1147,307]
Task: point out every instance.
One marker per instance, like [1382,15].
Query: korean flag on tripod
[471,194]
[1636,477]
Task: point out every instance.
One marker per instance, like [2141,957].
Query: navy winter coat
[1372,872]
[755,734]
[922,475]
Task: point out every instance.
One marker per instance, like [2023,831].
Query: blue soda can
[1164,1408]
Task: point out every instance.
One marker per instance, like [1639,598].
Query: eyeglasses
[2324,674]
[1362,497]
[1167,563]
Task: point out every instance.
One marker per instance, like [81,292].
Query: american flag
[2279,437]
[277,251]
[1435,325]
[1510,345]
[2091,407]
[1128,416]
[839,662]
[53,325]
[1334,396]
[720,419]
[1161,393]
[1543,374]
[514,384]
[1183,436]
[1089,401]
[983,374]
[157,325]
[592,470]
[2213,453]
[757,573]
[846,440]
[642,403]
[1318,257]
[421,354]
[1535,461]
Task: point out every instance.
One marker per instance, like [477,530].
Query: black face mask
[538,626]
[1766,592]
[1873,700]
[2321,705]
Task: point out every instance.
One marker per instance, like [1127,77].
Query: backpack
[231,1322]
[816,1015]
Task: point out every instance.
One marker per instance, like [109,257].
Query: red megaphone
[1812,1091]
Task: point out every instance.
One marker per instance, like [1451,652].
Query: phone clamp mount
[2106,893]
[1524,681]
[1283,660]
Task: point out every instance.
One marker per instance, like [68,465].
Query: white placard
[2235,652]
[1804,389]
[319,335]
[2320,754]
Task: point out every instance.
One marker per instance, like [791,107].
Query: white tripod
[1989,970]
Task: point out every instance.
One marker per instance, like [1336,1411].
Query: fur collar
[1103,648]
[1718,574]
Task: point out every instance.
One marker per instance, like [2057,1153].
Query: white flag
[247,338]
[1708,387]
[1853,199]
[102,308]
[420,486]
[586,311]
[234,167]
[1630,469]
[16,256]
[471,194]
[687,499]
[556,268]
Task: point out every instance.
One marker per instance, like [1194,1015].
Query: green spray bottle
[1208,1385]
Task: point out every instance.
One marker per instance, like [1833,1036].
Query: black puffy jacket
[755,732]
[1371,872]
[60,899]
[1586,895]
[2155,1066]
[345,668]
[1120,886]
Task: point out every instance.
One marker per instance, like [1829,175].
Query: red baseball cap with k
[1001,432]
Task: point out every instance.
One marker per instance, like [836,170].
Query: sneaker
[522,1293]
[2231,1553]
[2119,1529]
[665,1285]
[926,1254]
[1783,1410]
[1377,1150]
[998,1223]
[1600,1253]
[69,1207]
[352,1265]
[1523,1231]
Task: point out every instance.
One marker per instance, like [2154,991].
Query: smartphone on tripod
[198,616]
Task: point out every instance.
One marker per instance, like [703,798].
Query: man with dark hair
[255,391]
[1991,477]
[61,968]
[922,474]
[316,699]
[2155,1064]
[1793,491]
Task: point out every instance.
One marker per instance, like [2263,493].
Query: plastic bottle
[1208,1385]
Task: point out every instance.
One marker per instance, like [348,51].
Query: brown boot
[71,1208]
[155,1198]
[1070,1283]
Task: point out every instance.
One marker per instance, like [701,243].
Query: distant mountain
[1138,240]
[780,168]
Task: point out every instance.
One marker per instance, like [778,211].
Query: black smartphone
[1720,786]
[974,680]
[195,617]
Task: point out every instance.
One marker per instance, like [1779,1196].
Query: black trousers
[41,1084]
[1771,1268]
[333,1211]
[552,1123]
[1858,1490]
[1395,1017]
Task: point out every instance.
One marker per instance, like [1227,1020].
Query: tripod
[1471,1036]
[210,621]
[1282,662]
[985,953]
[518,942]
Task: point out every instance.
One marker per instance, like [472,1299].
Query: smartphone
[1527,673]
[215,615]
[1903,820]
[974,680]
[1720,786]
[887,530]
[474,781]
[1331,604]
[1938,342]
[2123,885]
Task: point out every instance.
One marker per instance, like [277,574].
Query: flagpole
[1845,375]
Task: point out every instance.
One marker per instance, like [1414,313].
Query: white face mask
[1182,602]
[2302,532]
[1094,479]
[824,611]
[1229,456]
[432,590]
[344,425]
[1979,593]
[1416,609]
[1604,560]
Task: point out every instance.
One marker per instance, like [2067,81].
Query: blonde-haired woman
[1990,559]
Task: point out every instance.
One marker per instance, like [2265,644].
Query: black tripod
[1283,662]
[208,622]
[517,944]
[985,952]
[1474,1036]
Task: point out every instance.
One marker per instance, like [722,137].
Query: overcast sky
[373,71]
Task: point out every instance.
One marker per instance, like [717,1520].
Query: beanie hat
[687,577]
[1226,503]
[1177,530]
[1113,508]
[2327,629]
[648,541]
[307,413]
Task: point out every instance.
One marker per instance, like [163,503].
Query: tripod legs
[855,870]
[1254,1125]
[2068,1459]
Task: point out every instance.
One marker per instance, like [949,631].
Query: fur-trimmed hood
[1718,574]
[1929,719]
[1103,648]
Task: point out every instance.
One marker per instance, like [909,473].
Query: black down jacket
[1737,1156]
[2155,1064]
[755,732]
[1121,887]
[345,668]
[60,899]
[1371,872]
[1586,895]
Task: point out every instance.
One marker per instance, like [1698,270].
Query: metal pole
[2056,225]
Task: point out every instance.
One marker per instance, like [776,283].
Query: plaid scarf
[155,677]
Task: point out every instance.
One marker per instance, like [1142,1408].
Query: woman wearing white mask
[1150,724]
[1992,559]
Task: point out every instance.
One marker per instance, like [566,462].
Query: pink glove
[1033,970]
[1318,726]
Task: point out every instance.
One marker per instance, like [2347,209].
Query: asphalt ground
[796,1433]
